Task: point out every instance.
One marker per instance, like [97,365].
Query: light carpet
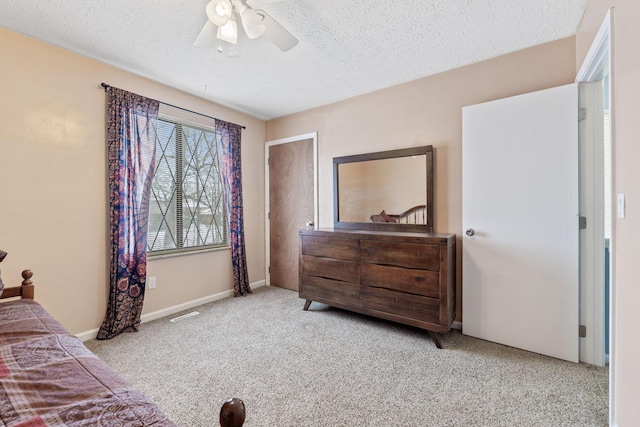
[329,367]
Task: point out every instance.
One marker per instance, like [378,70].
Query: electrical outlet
[151,282]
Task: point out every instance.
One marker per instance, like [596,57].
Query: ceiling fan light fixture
[229,31]
[252,23]
[219,11]
[221,25]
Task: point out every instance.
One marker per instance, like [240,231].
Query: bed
[49,378]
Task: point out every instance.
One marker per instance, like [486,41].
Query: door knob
[309,224]
[470,232]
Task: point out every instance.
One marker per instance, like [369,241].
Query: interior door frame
[267,230]
[600,54]
[592,245]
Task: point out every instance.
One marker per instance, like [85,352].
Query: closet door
[291,207]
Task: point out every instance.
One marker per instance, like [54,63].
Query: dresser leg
[435,339]
[306,305]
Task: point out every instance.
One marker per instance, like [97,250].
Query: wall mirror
[387,190]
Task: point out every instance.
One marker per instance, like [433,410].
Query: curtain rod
[106,86]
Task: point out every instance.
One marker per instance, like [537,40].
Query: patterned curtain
[131,140]
[229,136]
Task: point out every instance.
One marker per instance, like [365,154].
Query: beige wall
[53,212]
[425,112]
[626,154]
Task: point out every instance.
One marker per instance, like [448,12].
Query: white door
[520,203]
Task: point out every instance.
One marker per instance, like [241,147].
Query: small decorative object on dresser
[406,277]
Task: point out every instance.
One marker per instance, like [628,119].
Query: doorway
[290,204]
[598,296]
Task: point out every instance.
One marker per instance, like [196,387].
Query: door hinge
[268,215]
[582,114]
[582,222]
[582,331]
[269,269]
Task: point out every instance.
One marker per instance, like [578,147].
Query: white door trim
[600,54]
[268,144]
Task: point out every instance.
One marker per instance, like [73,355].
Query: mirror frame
[427,150]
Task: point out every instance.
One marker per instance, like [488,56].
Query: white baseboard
[87,335]
[457,325]
[148,317]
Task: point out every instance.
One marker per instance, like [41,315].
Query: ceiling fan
[222,25]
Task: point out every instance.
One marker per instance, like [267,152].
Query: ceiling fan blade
[276,33]
[208,36]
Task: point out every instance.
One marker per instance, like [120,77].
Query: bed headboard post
[27,285]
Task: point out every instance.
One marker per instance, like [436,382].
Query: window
[187,207]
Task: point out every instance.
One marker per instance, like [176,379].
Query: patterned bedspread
[49,378]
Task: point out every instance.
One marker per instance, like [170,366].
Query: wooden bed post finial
[27,288]
[27,275]
[232,413]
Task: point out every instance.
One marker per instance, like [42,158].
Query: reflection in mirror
[391,185]
[388,190]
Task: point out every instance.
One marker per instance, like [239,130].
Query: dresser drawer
[410,306]
[328,290]
[419,282]
[345,271]
[331,247]
[410,255]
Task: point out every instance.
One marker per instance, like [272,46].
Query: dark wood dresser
[400,276]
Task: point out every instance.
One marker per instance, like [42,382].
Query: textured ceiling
[346,48]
